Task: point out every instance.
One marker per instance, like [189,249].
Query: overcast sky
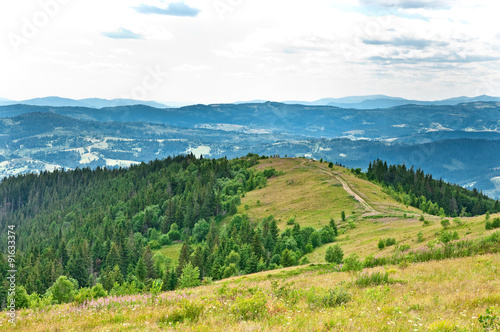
[210,51]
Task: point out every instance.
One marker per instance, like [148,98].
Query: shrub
[490,321]
[334,254]
[373,279]
[21,298]
[250,308]
[352,263]
[496,223]
[342,215]
[190,276]
[420,237]
[63,290]
[164,239]
[488,225]
[381,244]
[291,221]
[390,242]
[421,218]
[189,311]
[445,223]
[336,297]
[154,244]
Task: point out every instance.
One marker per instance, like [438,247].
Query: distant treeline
[415,188]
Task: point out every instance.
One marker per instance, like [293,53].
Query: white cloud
[274,50]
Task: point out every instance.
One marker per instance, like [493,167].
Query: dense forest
[100,227]
[415,188]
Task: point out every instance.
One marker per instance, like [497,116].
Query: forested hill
[100,228]
[80,223]
[430,195]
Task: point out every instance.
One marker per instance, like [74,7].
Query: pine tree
[333,225]
[183,258]
[113,257]
[141,271]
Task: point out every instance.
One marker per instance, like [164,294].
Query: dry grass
[433,295]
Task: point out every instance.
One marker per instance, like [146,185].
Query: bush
[164,240]
[190,277]
[390,242]
[352,263]
[336,297]
[334,254]
[291,221]
[21,298]
[496,223]
[189,311]
[381,244]
[154,245]
[445,223]
[420,237]
[63,290]
[373,279]
[250,308]
[490,321]
[421,218]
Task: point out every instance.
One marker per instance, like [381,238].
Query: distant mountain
[89,102]
[457,142]
[382,101]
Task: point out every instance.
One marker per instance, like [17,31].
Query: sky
[217,51]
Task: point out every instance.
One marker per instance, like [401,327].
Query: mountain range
[357,102]
[456,143]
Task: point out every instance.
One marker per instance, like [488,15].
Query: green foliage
[373,279]
[352,263]
[250,308]
[189,311]
[342,215]
[448,236]
[490,321]
[445,223]
[63,290]
[21,298]
[420,237]
[287,258]
[430,195]
[190,277]
[336,297]
[200,230]
[381,244]
[291,221]
[390,242]
[334,254]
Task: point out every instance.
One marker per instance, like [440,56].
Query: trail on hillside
[350,191]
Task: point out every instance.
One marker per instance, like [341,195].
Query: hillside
[256,231]
[451,142]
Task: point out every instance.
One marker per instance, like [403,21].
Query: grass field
[447,295]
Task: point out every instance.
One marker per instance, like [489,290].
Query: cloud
[406,42]
[407,4]
[122,33]
[436,59]
[191,68]
[173,9]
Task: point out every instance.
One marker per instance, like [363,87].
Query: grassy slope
[437,295]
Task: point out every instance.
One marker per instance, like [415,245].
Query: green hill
[254,232]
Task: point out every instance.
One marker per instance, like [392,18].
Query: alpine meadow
[227,165]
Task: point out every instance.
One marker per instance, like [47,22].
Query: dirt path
[370,210]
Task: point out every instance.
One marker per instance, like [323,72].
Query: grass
[173,251]
[444,295]
[448,294]
[311,193]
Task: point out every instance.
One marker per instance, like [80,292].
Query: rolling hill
[431,279]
